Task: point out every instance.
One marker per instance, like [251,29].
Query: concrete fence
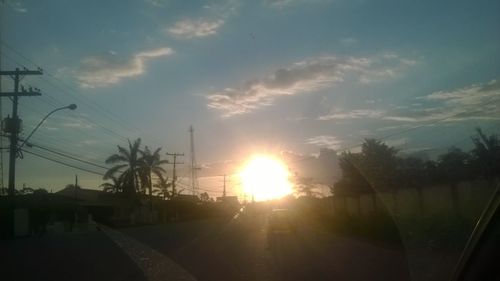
[467,199]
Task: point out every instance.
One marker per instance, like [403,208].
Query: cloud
[397,142]
[474,102]
[281,4]
[110,69]
[301,77]
[477,101]
[348,41]
[88,142]
[325,141]
[17,6]
[189,28]
[80,124]
[354,114]
[156,3]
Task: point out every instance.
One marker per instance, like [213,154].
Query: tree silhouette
[162,187]
[454,167]
[486,155]
[305,186]
[378,164]
[151,164]
[26,190]
[353,182]
[412,172]
[377,167]
[129,160]
[204,197]
[112,187]
[374,168]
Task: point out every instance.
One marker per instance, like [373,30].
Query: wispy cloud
[474,102]
[109,69]
[210,20]
[353,114]
[348,41]
[327,141]
[89,142]
[397,142]
[17,6]
[302,77]
[280,4]
[189,28]
[74,122]
[477,101]
[156,3]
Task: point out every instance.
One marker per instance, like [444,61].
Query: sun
[265,178]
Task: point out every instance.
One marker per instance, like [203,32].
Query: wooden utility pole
[224,189]
[174,163]
[12,126]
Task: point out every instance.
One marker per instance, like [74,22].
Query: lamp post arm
[72,107]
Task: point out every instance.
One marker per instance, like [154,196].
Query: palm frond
[116,158]
[112,171]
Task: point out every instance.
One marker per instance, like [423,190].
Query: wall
[472,198]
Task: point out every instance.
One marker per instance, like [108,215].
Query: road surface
[242,249]
[236,249]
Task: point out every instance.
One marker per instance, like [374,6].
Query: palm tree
[151,164]
[112,187]
[128,161]
[162,185]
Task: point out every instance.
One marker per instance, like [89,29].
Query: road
[236,249]
[241,249]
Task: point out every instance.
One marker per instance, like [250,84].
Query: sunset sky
[252,77]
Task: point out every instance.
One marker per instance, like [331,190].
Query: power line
[106,130]
[200,188]
[67,156]
[62,163]
[174,163]
[41,137]
[87,101]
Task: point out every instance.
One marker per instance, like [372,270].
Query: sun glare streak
[265,178]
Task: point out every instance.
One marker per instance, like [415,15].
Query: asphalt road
[242,249]
[236,249]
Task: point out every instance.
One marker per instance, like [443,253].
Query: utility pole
[75,215]
[1,103]
[12,126]
[174,163]
[224,189]
[194,167]
[76,186]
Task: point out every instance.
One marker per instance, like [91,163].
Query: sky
[283,77]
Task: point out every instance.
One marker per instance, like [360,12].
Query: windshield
[245,140]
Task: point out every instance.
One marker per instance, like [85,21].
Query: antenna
[194,167]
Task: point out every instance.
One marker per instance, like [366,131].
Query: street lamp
[13,126]
[71,107]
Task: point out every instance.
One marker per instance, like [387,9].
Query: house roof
[90,196]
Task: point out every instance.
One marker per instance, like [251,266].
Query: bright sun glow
[265,178]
